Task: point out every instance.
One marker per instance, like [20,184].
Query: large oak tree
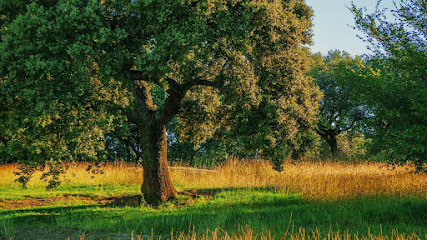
[340,111]
[73,73]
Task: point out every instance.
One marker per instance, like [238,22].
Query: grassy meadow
[237,200]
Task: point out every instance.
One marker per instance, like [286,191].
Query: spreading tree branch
[176,94]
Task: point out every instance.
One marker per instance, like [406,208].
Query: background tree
[340,111]
[395,83]
[75,73]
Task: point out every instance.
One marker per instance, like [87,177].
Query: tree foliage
[277,123]
[53,96]
[395,83]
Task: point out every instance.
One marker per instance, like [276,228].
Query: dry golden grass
[77,174]
[248,234]
[314,180]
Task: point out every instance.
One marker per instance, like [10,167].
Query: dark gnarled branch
[176,94]
[136,75]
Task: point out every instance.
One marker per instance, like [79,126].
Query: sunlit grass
[247,233]
[268,213]
[313,180]
[308,200]
[77,174]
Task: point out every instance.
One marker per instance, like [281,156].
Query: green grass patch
[230,209]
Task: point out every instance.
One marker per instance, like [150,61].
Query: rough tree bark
[157,186]
[151,126]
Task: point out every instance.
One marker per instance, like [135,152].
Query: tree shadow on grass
[211,192]
[262,209]
[123,201]
[137,200]
[44,211]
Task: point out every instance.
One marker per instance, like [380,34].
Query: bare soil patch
[68,200]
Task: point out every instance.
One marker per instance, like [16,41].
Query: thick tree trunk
[330,136]
[332,142]
[157,186]
[151,126]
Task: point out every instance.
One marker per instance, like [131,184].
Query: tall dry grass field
[248,234]
[77,174]
[314,180]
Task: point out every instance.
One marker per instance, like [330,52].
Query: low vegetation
[237,200]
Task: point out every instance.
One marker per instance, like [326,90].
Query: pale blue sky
[333,25]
